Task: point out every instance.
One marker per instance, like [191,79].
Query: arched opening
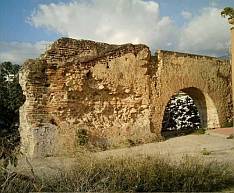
[188,110]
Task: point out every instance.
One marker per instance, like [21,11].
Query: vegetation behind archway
[189,110]
[181,115]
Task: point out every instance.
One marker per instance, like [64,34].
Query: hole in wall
[88,75]
[53,122]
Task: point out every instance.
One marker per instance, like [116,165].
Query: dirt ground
[213,145]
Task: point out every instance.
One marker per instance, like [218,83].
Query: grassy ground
[140,174]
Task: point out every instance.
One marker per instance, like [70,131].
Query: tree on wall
[228,12]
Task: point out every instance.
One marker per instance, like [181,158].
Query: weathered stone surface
[206,79]
[87,93]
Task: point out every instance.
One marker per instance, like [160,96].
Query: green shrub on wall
[82,136]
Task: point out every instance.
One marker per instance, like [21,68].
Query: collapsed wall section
[85,93]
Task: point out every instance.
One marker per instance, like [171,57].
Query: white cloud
[186,14]
[18,52]
[115,21]
[135,21]
[206,33]
[121,21]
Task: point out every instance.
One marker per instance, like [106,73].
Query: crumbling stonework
[84,93]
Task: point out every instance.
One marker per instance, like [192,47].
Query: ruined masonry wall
[84,93]
[206,79]
[81,88]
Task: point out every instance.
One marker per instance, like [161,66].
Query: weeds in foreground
[205,152]
[9,149]
[200,131]
[231,136]
[140,174]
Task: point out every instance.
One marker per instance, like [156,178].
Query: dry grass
[140,174]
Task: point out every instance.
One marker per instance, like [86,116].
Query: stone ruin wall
[104,96]
[83,86]
[206,79]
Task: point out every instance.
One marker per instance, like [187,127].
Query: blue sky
[13,21]
[183,25]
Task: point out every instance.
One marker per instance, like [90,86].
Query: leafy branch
[228,12]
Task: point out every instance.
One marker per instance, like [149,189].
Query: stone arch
[205,106]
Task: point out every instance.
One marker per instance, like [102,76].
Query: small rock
[133,111]
[100,87]
[144,106]
[127,90]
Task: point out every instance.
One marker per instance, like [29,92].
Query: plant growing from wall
[229,13]
[82,135]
